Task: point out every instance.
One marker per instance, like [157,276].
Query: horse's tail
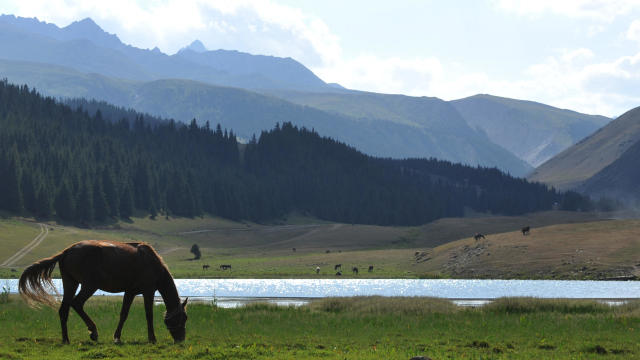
[35,280]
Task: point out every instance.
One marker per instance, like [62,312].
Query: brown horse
[132,268]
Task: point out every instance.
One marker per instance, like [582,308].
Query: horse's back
[109,265]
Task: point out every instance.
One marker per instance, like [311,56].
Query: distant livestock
[370,268]
[525,230]
[339,273]
[338,266]
[355,270]
[317,269]
[294,249]
[205,267]
[478,236]
[225,267]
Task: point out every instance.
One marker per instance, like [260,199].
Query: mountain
[582,161]
[534,132]
[57,161]
[439,132]
[85,47]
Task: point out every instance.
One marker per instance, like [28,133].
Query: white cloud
[576,79]
[604,10]
[256,26]
[633,33]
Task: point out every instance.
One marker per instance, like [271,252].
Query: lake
[444,288]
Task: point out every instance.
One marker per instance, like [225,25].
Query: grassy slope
[594,250]
[578,163]
[355,328]
[266,251]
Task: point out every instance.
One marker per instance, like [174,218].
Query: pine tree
[44,206]
[110,193]
[85,211]
[100,206]
[64,203]
[11,192]
[126,202]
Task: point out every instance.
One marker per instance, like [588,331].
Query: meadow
[338,328]
[562,245]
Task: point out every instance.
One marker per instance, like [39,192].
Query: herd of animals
[525,231]
[338,267]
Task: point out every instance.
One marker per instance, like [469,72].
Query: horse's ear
[184,304]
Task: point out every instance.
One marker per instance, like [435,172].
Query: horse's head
[175,322]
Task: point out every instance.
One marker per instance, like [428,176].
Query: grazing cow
[525,230]
[339,273]
[317,269]
[338,266]
[205,267]
[478,236]
[370,268]
[355,270]
[225,267]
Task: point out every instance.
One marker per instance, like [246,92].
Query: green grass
[339,328]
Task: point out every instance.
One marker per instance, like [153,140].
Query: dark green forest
[97,165]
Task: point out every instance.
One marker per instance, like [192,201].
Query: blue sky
[578,54]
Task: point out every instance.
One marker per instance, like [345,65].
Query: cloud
[633,33]
[602,10]
[573,78]
[255,26]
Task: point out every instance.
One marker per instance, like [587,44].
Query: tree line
[84,167]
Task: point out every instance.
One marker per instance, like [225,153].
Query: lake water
[443,288]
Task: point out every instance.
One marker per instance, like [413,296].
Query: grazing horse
[294,249]
[478,236]
[205,267]
[370,268]
[225,267]
[355,270]
[339,273]
[338,266]
[525,230]
[132,268]
[317,269]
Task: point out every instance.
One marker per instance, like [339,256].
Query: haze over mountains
[250,93]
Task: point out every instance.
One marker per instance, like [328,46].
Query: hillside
[441,134]
[534,132]
[618,180]
[83,168]
[572,167]
[593,250]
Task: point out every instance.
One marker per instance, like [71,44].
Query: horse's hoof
[117,341]
[152,341]
[94,336]
[65,341]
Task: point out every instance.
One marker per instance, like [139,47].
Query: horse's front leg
[148,309]
[124,312]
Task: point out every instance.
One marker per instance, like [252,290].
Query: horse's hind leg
[69,286]
[78,304]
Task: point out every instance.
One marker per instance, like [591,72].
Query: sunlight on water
[451,289]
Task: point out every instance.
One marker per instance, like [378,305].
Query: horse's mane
[150,253]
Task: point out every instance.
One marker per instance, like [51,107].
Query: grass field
[561,245]
[339,328]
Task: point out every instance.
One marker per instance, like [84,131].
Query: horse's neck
[169,293]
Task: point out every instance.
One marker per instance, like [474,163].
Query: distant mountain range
[534,132]
[250,93]
[605,163]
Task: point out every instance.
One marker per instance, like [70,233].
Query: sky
[582,55]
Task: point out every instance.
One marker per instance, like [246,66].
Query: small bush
[4,295]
